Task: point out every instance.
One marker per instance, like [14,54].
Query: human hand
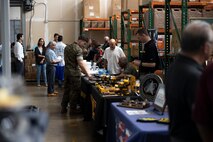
[136,62]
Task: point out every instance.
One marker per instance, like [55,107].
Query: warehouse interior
[100,119]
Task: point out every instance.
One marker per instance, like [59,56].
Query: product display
[112,85]
[134,104]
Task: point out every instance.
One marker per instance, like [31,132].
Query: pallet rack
[167,5]
[128,23]
[85,29]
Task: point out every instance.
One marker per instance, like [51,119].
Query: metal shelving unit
[167,31]
[128,23]
[113,26]
[85,29]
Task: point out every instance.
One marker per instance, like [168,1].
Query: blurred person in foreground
[74,65]
[203,109]
[182,80]
[111,57]
[150,59]
[51,60]
[126,68]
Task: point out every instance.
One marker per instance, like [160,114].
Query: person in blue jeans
[51,60]
[40,61]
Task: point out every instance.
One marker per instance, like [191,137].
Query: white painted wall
[61,16]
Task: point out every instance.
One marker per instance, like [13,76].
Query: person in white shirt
[59,50]
[111,57]
[19,54]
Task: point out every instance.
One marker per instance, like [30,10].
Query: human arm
[84,68]
[150,65]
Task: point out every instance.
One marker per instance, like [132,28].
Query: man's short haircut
[81,37]
[123,60]
[142,31]
[60,38]
[19,35]
[51,43]
[195,35]
[56,34]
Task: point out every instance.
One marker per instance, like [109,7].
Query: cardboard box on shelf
[130,4]
[177,17]
[159,18]
[194,0]
[101,24]
[207,13]
[91,8]
[194,12]
[107,24]
[94,24]
[87,24]
[175,44]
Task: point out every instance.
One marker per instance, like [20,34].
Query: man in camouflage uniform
[74,64]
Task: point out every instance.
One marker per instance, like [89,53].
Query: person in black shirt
[106,42]
[150,59]
[92,51]
[182,80]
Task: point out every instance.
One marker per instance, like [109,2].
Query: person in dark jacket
[182,80]
[40,61]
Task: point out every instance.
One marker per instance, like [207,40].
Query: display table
[86,89]
[124,127]
[101,104]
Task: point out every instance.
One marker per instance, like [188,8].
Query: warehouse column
[5,38]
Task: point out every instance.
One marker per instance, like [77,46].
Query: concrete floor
[61,128]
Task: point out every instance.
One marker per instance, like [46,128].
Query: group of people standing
[114,59]
[50,61]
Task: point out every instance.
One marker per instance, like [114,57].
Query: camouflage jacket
[72,53]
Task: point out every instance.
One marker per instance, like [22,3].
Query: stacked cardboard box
[30,68]
[177,17]
[193,12]
[94,24]
[207,13]
[107,24]
[175,44]
[91,8]
[130,4]
[101,24]
[87,24]
[159,18]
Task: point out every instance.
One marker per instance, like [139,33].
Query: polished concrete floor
[61,128]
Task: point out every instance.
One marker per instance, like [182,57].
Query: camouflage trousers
[72,91]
